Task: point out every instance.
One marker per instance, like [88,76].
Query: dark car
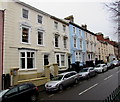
[26,92]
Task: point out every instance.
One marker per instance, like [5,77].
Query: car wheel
[33,98]
[60,87]
[76,81]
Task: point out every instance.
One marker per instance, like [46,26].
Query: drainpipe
[3,44]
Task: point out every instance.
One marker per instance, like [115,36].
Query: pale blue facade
[77,44]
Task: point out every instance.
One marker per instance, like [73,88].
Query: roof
[82,28]
[31,7]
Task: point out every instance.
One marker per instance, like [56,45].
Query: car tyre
[61,87]
[76,81]
[33,98]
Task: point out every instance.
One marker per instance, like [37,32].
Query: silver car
[86,73]
[62,80]
[101,68]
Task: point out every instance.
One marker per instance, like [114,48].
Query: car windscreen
[59,77]
[3,92]
[97,66]
[84,70]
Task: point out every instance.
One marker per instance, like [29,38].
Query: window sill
[25,43]
[57,47]
[40,45]
[25,70]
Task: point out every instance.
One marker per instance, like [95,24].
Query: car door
[66,79]
[24,92]
[11,95]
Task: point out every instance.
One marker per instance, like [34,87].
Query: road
[95,88]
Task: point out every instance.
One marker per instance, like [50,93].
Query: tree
[114,7]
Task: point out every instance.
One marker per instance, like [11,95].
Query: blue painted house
[77,43]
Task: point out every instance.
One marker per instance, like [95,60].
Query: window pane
[58,60]
[40,38]
[62,60]
[23,63]
[25,34]
[22,54]
[39,19]
[56,41]
[25,13]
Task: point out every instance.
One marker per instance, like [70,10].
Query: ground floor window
[27,59]
[60,59]
[78,56]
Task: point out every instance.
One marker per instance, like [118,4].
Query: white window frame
[74,30]
[28,13]
[23,26]
[25,51]
[65,42]
[60,54]
[40,20]
[75,42]
[42,39]
[78,56]
[58,40]
[64,28]
[56,25]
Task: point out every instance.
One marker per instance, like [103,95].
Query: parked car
[62,80]
[110,65]
[100,68]
[86,73]
[115,63]
[20,93]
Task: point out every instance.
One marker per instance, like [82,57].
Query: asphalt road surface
[95,88]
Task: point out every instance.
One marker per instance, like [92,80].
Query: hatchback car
[62,80]
[100,68]
[27,92]
[86,73]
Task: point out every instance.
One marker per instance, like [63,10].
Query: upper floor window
[75,42]
[56,25]
[40,19]
[80,33]
[65,42]
[25,13]
[74,30]
[25,35]
[81,44]
[56,40]
[64,28]
[40,38]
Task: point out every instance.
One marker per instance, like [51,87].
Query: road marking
[88,89]
[118,71]
[108,77]
[51,95]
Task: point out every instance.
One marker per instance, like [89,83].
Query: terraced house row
[30,39]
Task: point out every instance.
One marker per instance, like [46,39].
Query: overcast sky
[90,12]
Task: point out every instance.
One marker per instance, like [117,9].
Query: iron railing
[114,96]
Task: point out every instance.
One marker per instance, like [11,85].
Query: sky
[93,13]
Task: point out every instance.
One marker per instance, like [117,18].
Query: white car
[100,68]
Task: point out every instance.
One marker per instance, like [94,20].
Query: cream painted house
[91,45]
[33,39]
[60,43]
